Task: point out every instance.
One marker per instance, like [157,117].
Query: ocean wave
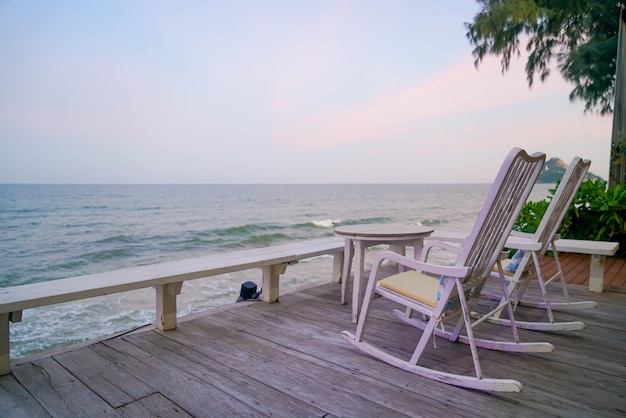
[22,210]
[69,265]
[11,279]
[245,229]
[195,243]
[72,323]
[127,239]
[265,239]
[325,223]
[147,208]
[382,219]
[69,231]
[433,222]
[106,255]
[95,207]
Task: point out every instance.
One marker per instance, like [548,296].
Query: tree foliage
[597,213]
[579,35]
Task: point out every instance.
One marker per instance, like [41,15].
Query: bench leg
[596,273]
[166,305]
[271,277]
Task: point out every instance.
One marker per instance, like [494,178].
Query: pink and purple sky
[269,92]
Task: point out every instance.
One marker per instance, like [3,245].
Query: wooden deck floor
[288,360]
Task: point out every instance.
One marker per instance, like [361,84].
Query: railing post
[166,305]
[337,267]
[5,354]
[271,278]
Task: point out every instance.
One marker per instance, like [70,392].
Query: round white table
[359,237]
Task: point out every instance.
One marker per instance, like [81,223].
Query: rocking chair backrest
[507,196]
[562,199]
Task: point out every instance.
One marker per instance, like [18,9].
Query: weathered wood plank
[195,396]
[16,402]
[300,383]
[296,334]
[167,278]
[59,392]
[288,359]
[369,389]
[495,364]
[155,405]
[603,397]
[266,400]
[113,384]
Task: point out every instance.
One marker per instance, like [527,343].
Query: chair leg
[567,305]
[367,301]
[455,335]
[509,305]
[552,325]
[473,382]
[544,290]
[468,328]
[421,345]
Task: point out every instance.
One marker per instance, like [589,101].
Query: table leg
[417,248]
[398,249]
[347,266]
[357,289]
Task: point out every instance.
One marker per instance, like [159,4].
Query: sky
[245,91]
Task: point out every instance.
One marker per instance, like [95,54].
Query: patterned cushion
[514,263]
[454,303]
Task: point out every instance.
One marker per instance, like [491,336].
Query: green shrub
[596,214]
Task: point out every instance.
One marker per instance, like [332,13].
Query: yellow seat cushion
[413,285]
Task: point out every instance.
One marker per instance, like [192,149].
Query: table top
[383,230]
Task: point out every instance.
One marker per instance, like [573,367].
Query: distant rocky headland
[555,168]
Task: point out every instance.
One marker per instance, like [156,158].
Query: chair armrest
[446,246]
[521,234]
[448,236]
[443,245]
[418,265]
[523,241]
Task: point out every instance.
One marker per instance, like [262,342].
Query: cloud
[457,89]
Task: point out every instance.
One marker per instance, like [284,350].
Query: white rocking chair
[420,291]
[534,246]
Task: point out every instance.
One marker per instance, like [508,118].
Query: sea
[50,232]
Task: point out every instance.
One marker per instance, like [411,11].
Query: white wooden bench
[598,250]
[167,278]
